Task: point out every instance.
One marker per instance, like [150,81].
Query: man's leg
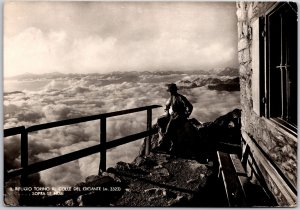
[163,143]
[171,131]
[176,123]
[162,123]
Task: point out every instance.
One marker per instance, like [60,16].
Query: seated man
[178,109]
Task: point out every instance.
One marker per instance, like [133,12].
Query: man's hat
[172,87]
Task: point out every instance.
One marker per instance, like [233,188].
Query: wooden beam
[13,131]
[43,165]
[102,166]
[287,190]
[240,171]
[149,126]
[88,118]
[234,190]
[24,156]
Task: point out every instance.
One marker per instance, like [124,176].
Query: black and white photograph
[150,103]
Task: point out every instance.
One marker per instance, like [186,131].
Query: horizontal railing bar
[13,173]
[18,130]
[46,164]
[127,139]
[88,118]
[13,131]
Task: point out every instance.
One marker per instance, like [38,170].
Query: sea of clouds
[46,100]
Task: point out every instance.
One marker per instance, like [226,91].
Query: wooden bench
[234,178]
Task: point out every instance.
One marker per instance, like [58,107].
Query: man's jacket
[178,104]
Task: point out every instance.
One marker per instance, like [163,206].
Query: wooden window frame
[265,63]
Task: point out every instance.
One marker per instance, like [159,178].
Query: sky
[101,37]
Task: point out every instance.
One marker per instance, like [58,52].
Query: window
[280,94]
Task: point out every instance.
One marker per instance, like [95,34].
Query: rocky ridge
[212,83]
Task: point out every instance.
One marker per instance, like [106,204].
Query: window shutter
[256,66]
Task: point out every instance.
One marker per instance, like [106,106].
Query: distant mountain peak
[229,71]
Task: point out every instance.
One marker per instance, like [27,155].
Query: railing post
[102,166]
[24,155]
[149,126]
[24,165]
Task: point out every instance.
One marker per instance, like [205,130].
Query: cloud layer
[70,97]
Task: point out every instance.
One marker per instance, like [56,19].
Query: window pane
[282,62]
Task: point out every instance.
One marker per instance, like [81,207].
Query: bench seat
[234,179]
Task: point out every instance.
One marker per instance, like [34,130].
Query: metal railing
[26,169]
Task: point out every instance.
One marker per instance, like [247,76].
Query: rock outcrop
[200,141]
